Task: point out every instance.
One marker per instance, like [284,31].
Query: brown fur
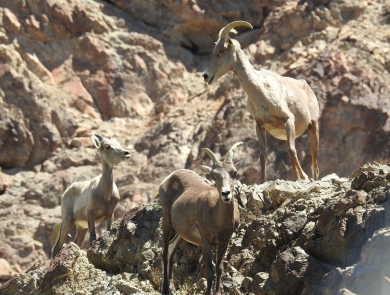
[200,214]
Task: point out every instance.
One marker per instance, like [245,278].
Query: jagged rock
[346,292]
[6,271]
[344,226]
[5,182]
[285,250]
[296,272]
[70,69]
[370,274]
[70,272]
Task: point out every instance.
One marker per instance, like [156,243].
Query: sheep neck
[225,213]
[249,80]
[106,180]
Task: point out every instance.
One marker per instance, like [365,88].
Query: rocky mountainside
[306,237]
[70,69]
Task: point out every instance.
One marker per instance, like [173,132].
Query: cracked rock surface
[70,69]
[307,237]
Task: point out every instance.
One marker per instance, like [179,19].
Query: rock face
[70,69]
[307,237]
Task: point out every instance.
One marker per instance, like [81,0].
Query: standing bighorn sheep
[200,214]
[282,106]
[88,203]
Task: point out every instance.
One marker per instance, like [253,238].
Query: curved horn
[211,154]
[230,27]
[229,155]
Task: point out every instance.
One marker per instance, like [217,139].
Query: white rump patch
[166,178]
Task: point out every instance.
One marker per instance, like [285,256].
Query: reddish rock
[137,198]
[82,141]
[76,68]
[6,271]
[5,181]
[76,88]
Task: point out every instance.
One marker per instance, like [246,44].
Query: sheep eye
[108,147]
[221,51]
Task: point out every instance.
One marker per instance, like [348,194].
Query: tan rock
[82,141]
[298,63]
[38,68]
[11,21]
[6,271]
[83,131]
[265,49]
[74,87]
[126,73]
[5,181]
[137,198]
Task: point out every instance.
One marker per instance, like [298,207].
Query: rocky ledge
[330,236]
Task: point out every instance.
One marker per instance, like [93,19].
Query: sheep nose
[126,154]
[226,196]
[205,76]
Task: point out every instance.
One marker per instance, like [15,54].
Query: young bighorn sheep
[200,214]
[88,203]
[282,106]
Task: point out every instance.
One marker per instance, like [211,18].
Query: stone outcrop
[70,69]
[307,237]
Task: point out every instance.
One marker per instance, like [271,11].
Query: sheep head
[223,172]
[223,57]
[110,150]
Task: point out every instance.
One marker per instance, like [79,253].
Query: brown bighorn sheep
[88,203]
[200,214]
[282,106]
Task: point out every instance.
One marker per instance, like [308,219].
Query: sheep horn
[229,155]
[230,27]
[211,154]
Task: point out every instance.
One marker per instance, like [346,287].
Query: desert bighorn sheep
[282,106]
[200,214]
[88,203]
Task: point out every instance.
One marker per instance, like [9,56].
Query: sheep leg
[262,138]
[80,235]
[314,131]
[55,234]
[173,244]
[292,152]
[221,250]
[165,280]
[208,264]
[294,168]
[66,226]
[109,221]
[166,227]
[91,226]
[167,254]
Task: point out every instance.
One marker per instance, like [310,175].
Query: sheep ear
[233,31]
[205,169]
[228,41]
[240,165]
[101,138]
[96,141]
